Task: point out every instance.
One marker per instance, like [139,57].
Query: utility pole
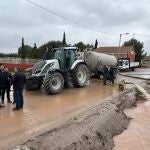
[119,45]
[120,35]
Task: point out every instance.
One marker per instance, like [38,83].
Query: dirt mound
[94,129]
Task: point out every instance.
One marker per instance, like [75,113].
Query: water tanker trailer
[96,61]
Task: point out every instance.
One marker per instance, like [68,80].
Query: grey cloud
[19,18]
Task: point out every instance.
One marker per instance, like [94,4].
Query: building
[146,60]
[118,52]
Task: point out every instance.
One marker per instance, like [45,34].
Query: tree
[96,44]
[50,45]
[2,55]
[25,52]
[81,46]
[64,39]
[138,48]
[34,52]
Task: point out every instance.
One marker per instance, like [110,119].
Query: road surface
[42,111]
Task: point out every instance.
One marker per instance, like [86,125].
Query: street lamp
[120,40]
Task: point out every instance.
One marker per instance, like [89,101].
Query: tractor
[62,70]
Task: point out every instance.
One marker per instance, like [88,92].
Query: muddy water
[41,111]
[143,73]
[137,136]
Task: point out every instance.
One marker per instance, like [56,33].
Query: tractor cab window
[59,55]
[70,57]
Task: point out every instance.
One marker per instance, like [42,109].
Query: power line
[69,20]
[142,35]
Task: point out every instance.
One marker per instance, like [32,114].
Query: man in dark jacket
[105,75]
[1,68]
[111,74]
[3,80]
[18,85]
[8,84]
[46,55]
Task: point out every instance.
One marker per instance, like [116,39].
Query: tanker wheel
[53,83]
[80,75]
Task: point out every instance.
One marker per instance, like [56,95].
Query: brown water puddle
[137,136]
[42,111]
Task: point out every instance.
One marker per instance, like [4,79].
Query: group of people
[17,80]
[108,74]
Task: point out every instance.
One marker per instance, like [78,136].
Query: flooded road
[139,73]
[137,136]
[42,111]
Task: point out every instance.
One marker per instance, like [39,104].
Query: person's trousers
[2,93]
[8,93]
[18,98]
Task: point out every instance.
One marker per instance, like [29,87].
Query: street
[43,111]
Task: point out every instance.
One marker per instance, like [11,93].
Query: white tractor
[62,69]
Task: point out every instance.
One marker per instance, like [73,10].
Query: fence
[12,63]
[13,60]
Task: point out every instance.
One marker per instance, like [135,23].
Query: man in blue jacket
[18,81]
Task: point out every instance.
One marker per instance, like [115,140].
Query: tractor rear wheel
[80,75]
[53,83]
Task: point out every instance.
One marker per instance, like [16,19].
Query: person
[105,74]
[3,80]
[1,84]
[111,74]
[46,55]
[8,84]
[18,82]
[0,81]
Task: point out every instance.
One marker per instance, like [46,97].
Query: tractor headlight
[51,64]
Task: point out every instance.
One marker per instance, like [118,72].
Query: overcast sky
[20,18]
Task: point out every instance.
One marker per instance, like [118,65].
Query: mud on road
[42,114]
[93,129]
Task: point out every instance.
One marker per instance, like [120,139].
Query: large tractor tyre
[32,84]
[80,76]
[53,83]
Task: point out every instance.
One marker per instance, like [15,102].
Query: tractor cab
[61,59]
[65,56]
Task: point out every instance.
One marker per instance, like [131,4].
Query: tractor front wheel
[53,83]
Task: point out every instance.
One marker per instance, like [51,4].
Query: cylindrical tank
[97,60]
